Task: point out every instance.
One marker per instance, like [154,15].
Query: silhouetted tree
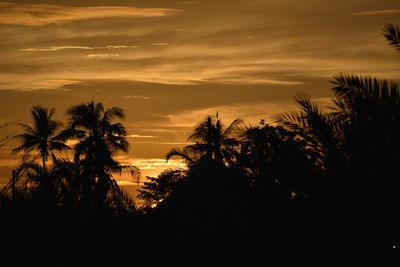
[213,141]
[276,163]
[99,141]
[323,139]
[157,189]
[369,112]
[358,151]
[41,138]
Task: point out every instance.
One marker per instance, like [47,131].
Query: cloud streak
[42,14]
[377,12]
[141,136]
[78,47]
[100,55]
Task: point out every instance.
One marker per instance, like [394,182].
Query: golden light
[155,204]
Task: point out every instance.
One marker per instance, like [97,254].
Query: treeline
[314,180]
[83,182]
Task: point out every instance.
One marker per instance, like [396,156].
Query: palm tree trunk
[13,192]
[88,239]
[44,165]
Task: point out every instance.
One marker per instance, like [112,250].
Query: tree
[157,189]
[213,141]
[41,136]
[276,163]
[99,141]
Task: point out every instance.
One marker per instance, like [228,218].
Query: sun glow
[154,205]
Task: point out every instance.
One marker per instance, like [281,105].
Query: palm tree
[357,143]
[213,141]
[41,136]
[99,141]
[319,129]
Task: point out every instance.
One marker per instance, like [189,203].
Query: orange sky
[170,63]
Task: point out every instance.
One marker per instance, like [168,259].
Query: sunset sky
[170,63]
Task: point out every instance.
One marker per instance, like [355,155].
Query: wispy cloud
[141,136]
[63,47]
[138,97]
[56,48]
[377,12]
[149,166]
[158,164]
[254,113]
[52,84]
[252,80]
[42,14]
[100,55]
[164,143]
[159,44]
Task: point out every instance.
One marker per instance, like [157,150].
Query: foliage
[275,161]
[41,136]
[337,166]
[212,141]
[85,183]
[157,189]
[99,141]
[392,34]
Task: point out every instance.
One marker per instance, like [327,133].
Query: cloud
[100,55]
[164,143]
[53,84]
[254,113]
[43,14]
[159,164]
[377,12]
[116,46]
[141,136]
[38,83]
[127,183]
[56,48]
[159,44]
[138,97]
[252,80]
[63,47]
[149,166]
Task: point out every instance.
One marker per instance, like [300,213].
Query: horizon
[168,64]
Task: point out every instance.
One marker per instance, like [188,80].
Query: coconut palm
[213,141]
[319,129]
[99,141]
[41,136]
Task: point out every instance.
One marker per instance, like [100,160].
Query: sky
[168,63]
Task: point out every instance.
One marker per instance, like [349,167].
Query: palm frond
[27,128]
[352,88]
[233,127]
[392,34]
[55,145]
[179,153]
[114,112]
[29,142]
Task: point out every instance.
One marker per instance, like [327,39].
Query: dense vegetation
[314,180]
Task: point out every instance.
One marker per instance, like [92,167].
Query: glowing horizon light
[156,204]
